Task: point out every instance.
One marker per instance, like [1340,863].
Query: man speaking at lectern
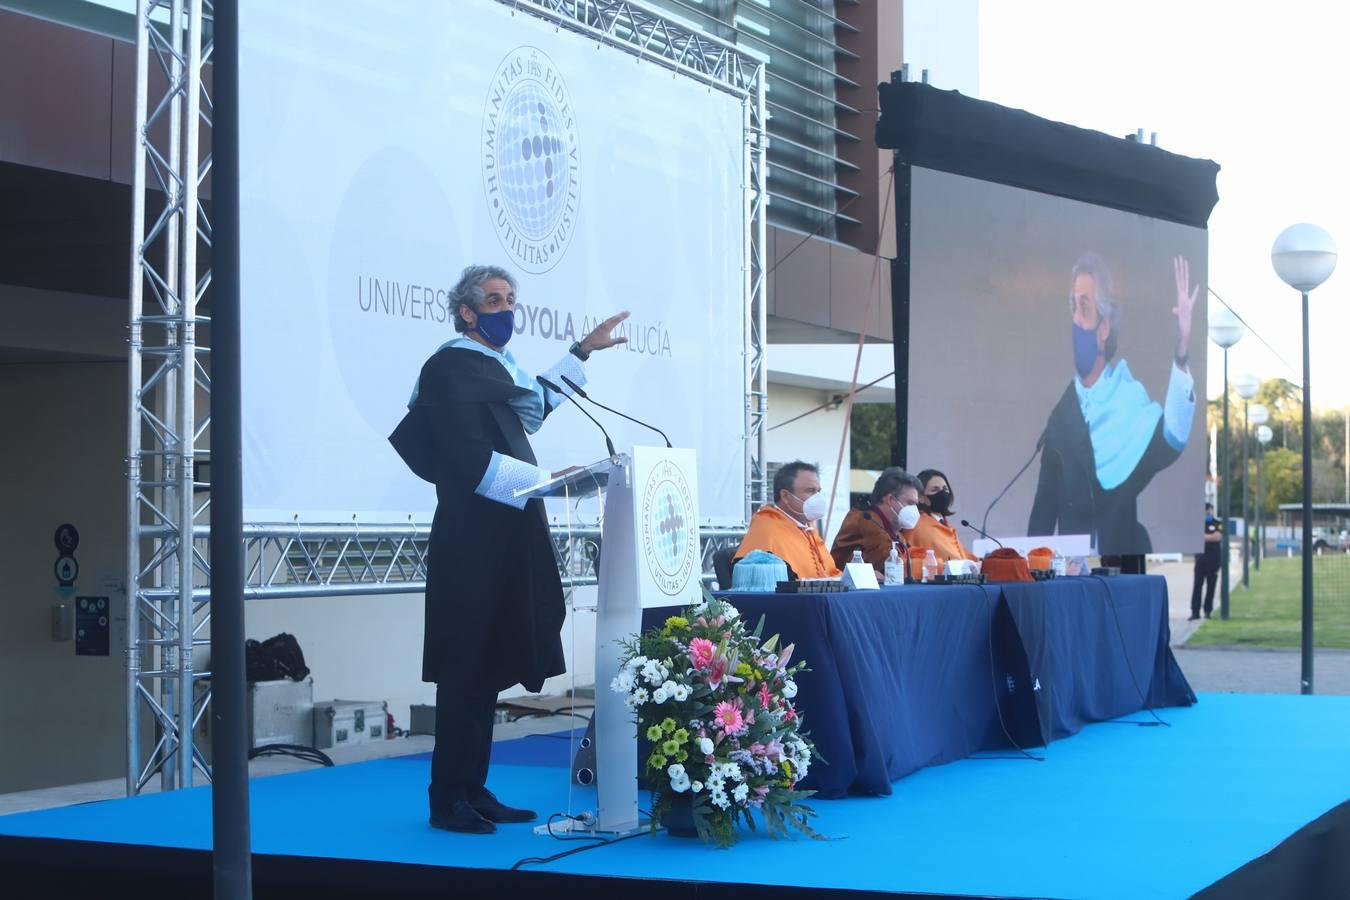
[494,601]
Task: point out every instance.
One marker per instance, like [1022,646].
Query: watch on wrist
[577,351]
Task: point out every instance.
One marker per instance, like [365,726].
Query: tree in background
[1284,474]
[871,435]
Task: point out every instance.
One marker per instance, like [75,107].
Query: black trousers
[1206,575]
[459,760]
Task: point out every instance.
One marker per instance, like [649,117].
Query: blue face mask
[497,327]
[1084,349]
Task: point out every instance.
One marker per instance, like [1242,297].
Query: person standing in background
[1207,563]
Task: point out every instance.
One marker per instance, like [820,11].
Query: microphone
[576,387]
[557,390]
[1040,442]
[982,533]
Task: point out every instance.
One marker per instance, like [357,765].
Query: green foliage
[1284,400]
[871,435]
[1270,612]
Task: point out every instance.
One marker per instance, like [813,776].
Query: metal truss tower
[168,374]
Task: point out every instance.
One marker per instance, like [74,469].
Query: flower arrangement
[715,702]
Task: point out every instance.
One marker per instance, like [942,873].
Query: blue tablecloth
[915,676]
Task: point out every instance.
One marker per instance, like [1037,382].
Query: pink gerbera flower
[728,717]
[701,652]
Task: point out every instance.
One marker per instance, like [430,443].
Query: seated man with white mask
[877,528]
[787,527]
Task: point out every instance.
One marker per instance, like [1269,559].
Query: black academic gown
[1070,500]
[494,600]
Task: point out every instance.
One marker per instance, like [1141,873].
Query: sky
[1258,88]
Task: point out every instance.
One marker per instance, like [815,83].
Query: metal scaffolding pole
[173,45]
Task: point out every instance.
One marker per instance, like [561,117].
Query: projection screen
[1109,406]
[383,148]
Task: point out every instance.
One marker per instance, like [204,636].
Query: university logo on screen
[531,162]
[669,532]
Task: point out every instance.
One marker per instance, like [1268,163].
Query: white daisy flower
[741,793]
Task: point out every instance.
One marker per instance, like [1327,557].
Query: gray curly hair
[1108,307]
[890,482]
[469,290]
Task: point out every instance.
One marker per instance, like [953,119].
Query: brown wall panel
[54,96]
[878,48]
[802,285]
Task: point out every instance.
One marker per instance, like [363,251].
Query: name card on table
[860,577]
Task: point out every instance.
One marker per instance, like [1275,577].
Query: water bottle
[857,556]
[891,569]
[1059,565]
[930,566]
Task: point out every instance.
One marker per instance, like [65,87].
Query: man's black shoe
[492,809]
[1194,617]
[463,818]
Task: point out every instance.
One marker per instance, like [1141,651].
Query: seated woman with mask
[934,531]
[891,509]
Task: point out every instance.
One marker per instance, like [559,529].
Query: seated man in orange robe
[787,527]
[876,529]
[934,530]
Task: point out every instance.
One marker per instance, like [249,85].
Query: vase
[679,818]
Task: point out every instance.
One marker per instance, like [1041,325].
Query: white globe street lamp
[1258,415]
[1304,256]
[1225,329]
[1246,386]
[1263,437]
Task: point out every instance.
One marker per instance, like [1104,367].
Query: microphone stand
[557,390]
[587,397]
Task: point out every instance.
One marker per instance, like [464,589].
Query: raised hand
[603,335]
[1185,305]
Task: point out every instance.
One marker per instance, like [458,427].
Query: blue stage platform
[1116,811]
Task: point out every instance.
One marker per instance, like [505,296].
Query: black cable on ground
[298,751]
[1125,652]
[597,842]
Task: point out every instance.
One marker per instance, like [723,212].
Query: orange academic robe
[862,530]
[941,538]
[774,531]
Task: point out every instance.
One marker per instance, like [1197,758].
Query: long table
[907,677]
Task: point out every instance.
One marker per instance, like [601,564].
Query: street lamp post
[1263,437]
[1304,256]
[1259,416]
[1225,330]
[1246,387]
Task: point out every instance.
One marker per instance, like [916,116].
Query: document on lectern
[578,482]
